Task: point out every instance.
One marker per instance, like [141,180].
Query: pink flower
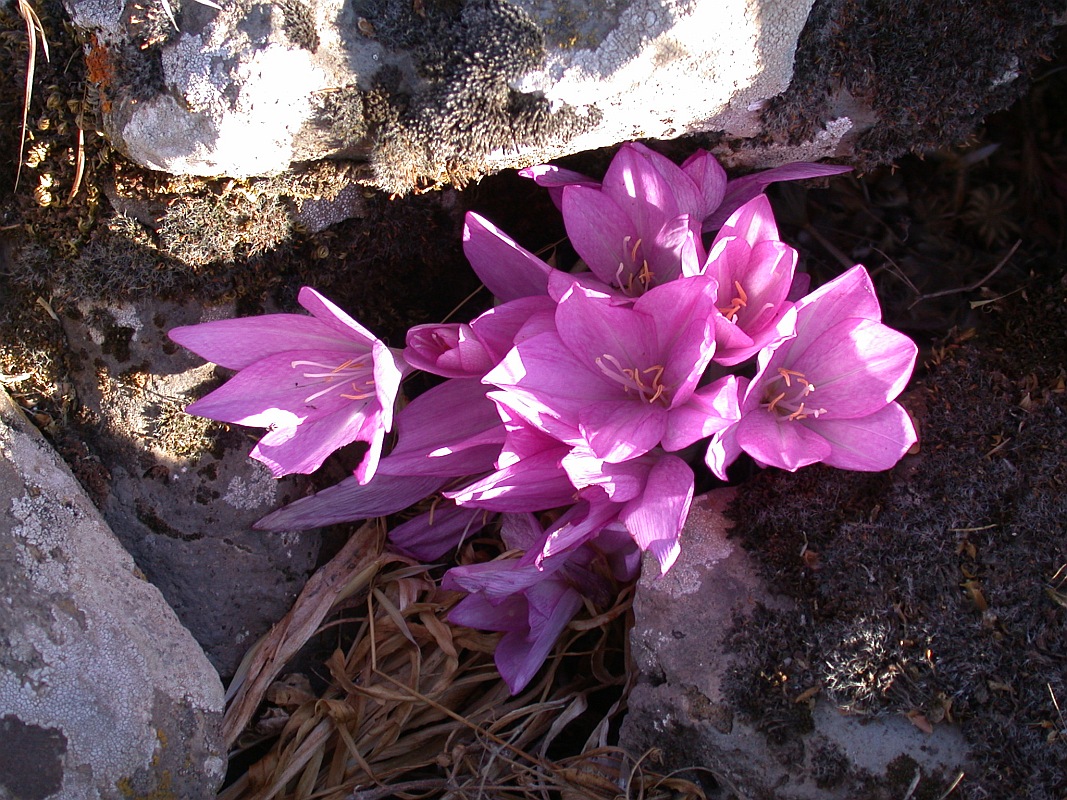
[828,393]
[316,383]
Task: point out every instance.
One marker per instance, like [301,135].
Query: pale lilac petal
[519,658]
[617,430]
[468,444]
[778,442]
[709,410]
[303,449]
[741,190]
[593,327]
[429,536]
[508,270]
[600,232]
[848,296]
[238,343]
[673,250]
[857,367]
[272,393]
[547,385]
[502,327]
[579,524]
[710,178]
[637,181]
[723,450]
[656,518]
[690,345]
[555,179]
[535,483]
[450,350]
[621,482]
[389,369]
[753,222]
[331,315]
[476,611]
[869,444]
[348,500]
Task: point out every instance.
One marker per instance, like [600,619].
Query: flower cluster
[572,409]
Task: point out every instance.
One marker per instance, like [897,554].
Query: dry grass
[414,707]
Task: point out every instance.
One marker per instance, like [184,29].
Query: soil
[937,590]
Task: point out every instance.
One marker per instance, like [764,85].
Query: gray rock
[682,705]
[430,90]
[103,694]
[179,491]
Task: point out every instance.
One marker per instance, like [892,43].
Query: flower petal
[348,500]
[709,410]
[869,444]
[429,536]
[778,442]
[238,343]
[618,430]
[508,270]
[710,178]
[468,444]
[741,190]
[857,367]
[656,518]
[600,231]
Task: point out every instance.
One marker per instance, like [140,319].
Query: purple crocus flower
[532,604]
[469,351]
[621,379]
[827,394]
[317,383]
[701,189]
[754,272]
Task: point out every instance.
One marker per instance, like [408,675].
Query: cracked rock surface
[103,693]
[180,492]
[681,704]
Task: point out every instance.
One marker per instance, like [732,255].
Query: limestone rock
[103,694]
[683,706]
[180,492]
[428,90]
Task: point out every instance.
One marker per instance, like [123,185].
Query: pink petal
[869,444]
[778,442]
[348,500]
[857,367]
[600,231]
[709,410]
[508,270]
[237,343]
[656,518]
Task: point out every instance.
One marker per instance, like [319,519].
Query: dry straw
[413,706]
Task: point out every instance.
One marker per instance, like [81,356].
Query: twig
[34,29]
[974,285]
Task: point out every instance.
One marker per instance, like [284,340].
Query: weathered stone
[103,693]
[683,707]
[429,91]
[179,491]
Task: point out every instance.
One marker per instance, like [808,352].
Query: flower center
[644,383]
[355,377]
[633,280]
[787,396]
[740,301]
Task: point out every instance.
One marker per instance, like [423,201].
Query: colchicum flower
[316,383]
[827,393]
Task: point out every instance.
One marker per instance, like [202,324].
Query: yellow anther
[774,402]
[633,253]
[798,414]
[787,373]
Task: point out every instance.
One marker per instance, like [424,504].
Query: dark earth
[937,590]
